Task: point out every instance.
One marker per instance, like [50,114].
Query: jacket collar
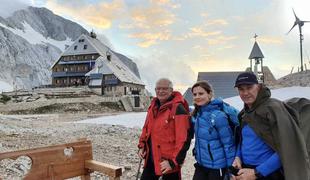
[176,97]
[213,104]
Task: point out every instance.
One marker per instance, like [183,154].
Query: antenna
[300,24]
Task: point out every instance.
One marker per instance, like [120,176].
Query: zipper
[197,139]
[209,150]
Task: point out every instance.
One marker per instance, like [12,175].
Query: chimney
[108,54]
[93,35]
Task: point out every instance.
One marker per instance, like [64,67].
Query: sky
[178,39]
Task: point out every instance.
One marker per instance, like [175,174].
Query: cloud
[211,63]
[149,39]
[216,22]
[220,40]
[150,23]
[126,26]
[8,7]
[271,40]
[197,31]
[166,3]
[151,17]
[98,15]
[158,65]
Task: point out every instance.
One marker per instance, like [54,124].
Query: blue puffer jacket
[214,143]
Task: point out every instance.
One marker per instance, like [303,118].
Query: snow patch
[34,37]
[128,119]
[5,87]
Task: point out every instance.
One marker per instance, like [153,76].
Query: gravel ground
[114,145]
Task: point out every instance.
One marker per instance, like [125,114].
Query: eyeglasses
[162,88]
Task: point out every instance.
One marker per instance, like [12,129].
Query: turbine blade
[292,28]
[295,14]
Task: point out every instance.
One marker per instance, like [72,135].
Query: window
[85,46]
[75,47]
[81,40]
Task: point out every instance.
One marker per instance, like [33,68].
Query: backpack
[299,108]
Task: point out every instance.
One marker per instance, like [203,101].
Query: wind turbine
[300,24]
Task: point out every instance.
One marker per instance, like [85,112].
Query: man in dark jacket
[272,145]
[165,136]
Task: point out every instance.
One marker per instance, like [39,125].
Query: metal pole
[301,38]
[138,173]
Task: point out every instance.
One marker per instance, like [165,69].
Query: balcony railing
[67,74]
[92,62]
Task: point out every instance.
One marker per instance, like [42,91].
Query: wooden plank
[47,149]
[48,161]
[56,156]
[51,162]
[109,170]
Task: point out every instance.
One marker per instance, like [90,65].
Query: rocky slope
[295,79]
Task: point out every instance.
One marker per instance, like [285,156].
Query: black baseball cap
[248,78]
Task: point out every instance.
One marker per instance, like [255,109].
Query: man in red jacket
[166,134]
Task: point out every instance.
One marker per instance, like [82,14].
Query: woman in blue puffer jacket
[214,143]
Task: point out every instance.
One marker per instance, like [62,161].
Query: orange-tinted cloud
[152,17]
[97,15]
[271,40]
[166,3]
[216,22]
[151,23]
[149,39]
[220,39]
[197,31]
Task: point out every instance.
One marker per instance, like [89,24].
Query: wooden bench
[64,161]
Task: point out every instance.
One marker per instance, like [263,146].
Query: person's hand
[237,163]
[141,153]
[246,174]
[165,166]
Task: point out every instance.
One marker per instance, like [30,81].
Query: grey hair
[165,79]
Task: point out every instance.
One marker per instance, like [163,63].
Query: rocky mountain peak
[31,40]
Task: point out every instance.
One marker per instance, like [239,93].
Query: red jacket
[169,132]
